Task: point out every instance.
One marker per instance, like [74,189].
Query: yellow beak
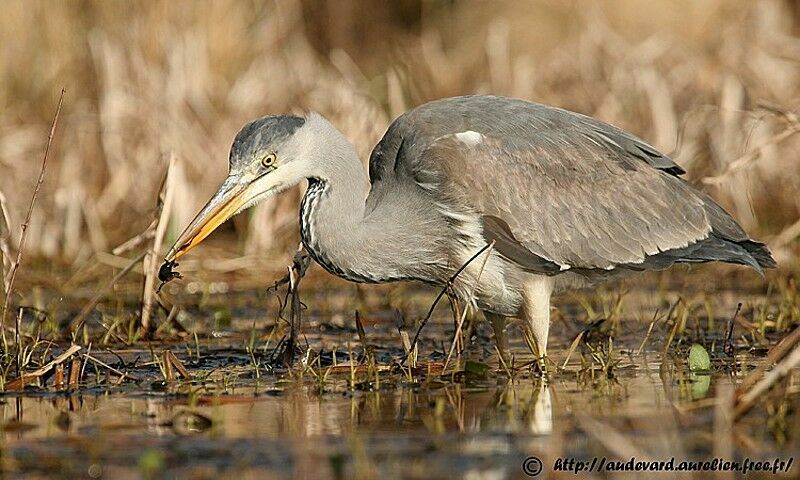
[229,199]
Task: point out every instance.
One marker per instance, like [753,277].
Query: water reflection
[431,429]
[518,406]
[511,407]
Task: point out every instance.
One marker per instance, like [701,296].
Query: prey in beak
[233,196]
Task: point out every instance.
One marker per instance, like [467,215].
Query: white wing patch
[469,138]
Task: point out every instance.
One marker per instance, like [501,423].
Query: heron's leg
[499,323]
[536,312]
[296,273]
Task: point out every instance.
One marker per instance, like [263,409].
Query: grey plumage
[565,199]
[572,191]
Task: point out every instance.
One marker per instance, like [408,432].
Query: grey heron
[565,201]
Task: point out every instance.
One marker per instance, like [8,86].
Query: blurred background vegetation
[714,83]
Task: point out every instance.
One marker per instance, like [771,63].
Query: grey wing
[569,192]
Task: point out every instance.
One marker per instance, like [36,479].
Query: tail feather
[713,249]
[729,243]
[760,253]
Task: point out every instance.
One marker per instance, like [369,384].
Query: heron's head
[266,158]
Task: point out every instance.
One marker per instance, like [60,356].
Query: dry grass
[711,82]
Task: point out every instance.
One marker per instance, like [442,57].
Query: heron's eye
[269,160]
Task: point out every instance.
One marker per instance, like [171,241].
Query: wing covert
[572,198]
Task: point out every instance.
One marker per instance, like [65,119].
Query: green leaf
[699,360]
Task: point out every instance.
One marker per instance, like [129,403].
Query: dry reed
[709,83]
[24,227]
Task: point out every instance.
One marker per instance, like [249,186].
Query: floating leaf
[699,360]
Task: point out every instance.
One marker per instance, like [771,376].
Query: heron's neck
[339,232]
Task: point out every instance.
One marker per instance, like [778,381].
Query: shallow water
[430,428]
[244,415]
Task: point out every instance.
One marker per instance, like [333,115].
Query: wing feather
[555,189]
[568,200]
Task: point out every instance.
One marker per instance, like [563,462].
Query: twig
[406,342]
[748,399]
[5,251]
[675,327]
[750,157]
[165,360]
[151,258]
[134,242]
[775,355]
[439,297]
[172,317]
[74,374]
[786,236]
[19,383]
[362,336]
[18,343]
[173,360]
[14,266]
[727,346]
[81,317]
[647,335]
[464,313]
[574,345]
[58,381]
[110,368]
